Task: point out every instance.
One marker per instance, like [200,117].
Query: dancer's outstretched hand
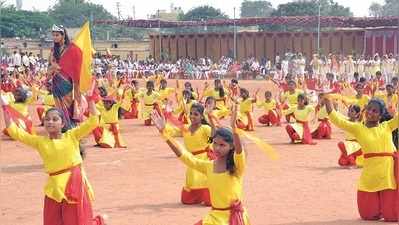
[158,120]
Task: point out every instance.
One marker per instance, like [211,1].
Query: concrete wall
[256,44]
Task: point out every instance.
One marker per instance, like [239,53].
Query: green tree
[311,8]
[389,8]
[256,9]
[203,13]
[308,8]
[21,23]
[375,9]
[75,13]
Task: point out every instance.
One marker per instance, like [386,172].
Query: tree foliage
[21,23]
[70,13]
[256,8]
[307,8]
[311,8]
[389,8]
[75,13]
[375,9]
[203,13]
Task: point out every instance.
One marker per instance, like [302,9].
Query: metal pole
[235,35]
[160,37]
[318,30]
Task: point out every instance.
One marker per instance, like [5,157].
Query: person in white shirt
[25,60]
[17,60]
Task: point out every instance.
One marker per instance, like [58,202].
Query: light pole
[160,35]
[318,30]
[235,35]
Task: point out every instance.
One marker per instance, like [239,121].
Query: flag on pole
[77,59]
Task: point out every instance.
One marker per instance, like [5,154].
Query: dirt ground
[141,185]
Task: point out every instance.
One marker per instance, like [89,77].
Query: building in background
[172,15]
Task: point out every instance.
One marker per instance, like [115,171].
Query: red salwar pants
[270,119]
[381,204]
[56,213]
[323,131]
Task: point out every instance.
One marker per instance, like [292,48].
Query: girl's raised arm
[186,157]
[236,136]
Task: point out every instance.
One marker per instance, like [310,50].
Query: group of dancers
[212,152]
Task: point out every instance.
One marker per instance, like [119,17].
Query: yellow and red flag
[77,59]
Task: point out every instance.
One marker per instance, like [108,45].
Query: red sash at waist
[236,213]
[324,120]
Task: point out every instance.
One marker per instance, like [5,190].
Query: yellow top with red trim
[267,106]
[361,102]
[111,115]
[57,154]
[220,101]
[224,188]
[292,99]
[246,105]
[378,172]
[164,94]
[199,140]
[303,115]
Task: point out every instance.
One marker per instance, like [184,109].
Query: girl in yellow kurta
[390,99]
[271,109]
[183,108]
[377,187]
[225,174]
[196,138]
[164,93]
[210,112]
[299,131]
[323,130]
[130,94]
[150,99]
[351,151]
[289,99]
[107,135]
[219,93]
[359,99]
[245,119]
[68,194]
[188,87]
